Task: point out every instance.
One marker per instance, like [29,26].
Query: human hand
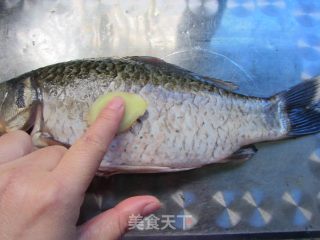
[41,192]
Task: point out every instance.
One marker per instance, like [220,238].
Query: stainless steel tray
[265,46]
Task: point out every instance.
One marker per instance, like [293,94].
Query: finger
[45,158]
[14,145]
[82,160]
[113,223]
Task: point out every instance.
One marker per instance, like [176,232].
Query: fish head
[17,109]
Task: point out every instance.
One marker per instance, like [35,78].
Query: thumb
[113,223]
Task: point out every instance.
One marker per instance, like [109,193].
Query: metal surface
[265,46]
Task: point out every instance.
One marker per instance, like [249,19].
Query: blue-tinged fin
[302,105]
[243,154]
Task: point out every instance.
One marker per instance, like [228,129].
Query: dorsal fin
[147,59]
[229,86]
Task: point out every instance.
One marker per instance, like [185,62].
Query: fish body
[191,120]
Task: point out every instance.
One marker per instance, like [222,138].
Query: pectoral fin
[41,137]
[243,154]
[44,139]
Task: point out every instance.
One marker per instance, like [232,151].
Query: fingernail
[116,103]
[150,208]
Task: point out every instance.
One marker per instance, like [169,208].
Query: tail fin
[302,104]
